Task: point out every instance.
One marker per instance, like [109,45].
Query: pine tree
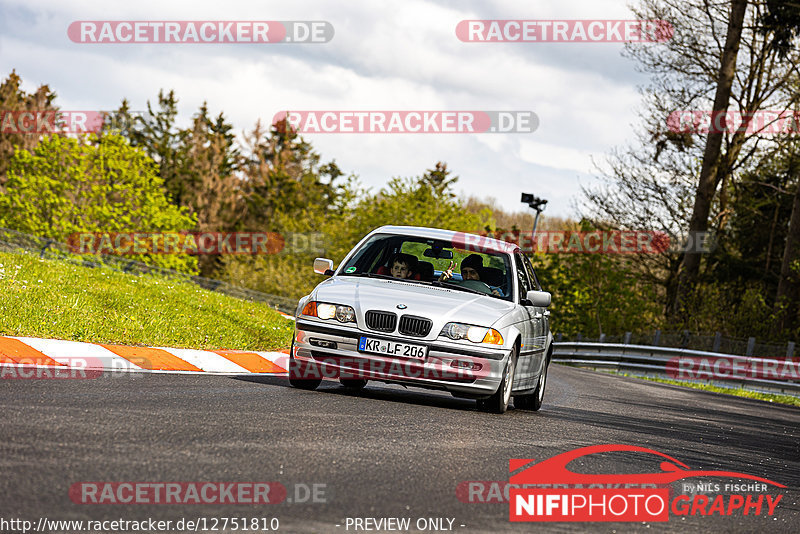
[12,100]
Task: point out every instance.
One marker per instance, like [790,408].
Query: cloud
[384,56]
[555,156]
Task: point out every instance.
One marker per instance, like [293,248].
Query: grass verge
[738,392]
[57,299]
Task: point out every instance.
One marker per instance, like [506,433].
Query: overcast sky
[385,55]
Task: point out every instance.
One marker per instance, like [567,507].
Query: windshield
[423,260]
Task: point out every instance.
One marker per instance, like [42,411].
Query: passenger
[403,265]
[470,270]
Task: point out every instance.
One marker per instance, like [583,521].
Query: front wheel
[301,376]
[498,403]
[353,383]
[295,372]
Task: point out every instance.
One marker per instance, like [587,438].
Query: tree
[596,294]
[343,222]
[782,19]
[786,306]
[439,180]
[66,186]
[663,181]
[413,202]
[283,177]
[741,274]
[199,164]
[209,187]
[13,100]
[160,138]
[709,172]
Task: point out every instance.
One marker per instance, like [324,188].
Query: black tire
[309,384]
[297,370]
[498,403]
[521,402]
[534,401]
[353,383]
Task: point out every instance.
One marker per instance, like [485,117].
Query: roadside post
[537,204]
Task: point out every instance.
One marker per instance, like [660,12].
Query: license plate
[391,348]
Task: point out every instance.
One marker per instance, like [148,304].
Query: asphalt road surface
[386,452]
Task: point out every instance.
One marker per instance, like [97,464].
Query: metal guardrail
[685,339]
[723,370]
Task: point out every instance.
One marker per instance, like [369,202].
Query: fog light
[466,364]
[322,343]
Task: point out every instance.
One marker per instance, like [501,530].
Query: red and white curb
[59,354]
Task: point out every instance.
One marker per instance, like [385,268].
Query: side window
[522,277]
[531,273]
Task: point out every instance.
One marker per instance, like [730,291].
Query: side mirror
[539,298]
[323,266]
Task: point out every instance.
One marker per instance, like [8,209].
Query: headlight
[476,334]
[343,314]
[326,311]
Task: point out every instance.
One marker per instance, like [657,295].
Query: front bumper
[332,351]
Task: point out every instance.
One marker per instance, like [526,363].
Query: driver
[470,270]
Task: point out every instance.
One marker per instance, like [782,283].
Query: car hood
[440,304]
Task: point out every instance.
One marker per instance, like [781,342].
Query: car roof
[473,242]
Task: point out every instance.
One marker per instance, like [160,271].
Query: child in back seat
[403,265]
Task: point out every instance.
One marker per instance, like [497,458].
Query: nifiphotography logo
[549,491]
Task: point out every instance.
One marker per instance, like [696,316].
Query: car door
[541,318]
[527,366]
[545,323]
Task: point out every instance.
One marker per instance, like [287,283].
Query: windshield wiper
[390,277]
[370,275]
[387,277]
[467,289]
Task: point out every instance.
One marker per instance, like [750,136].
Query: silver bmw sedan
[429,308]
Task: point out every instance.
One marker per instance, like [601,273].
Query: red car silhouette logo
[554,470]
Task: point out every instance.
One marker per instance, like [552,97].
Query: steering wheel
[503,288]
[477,285]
